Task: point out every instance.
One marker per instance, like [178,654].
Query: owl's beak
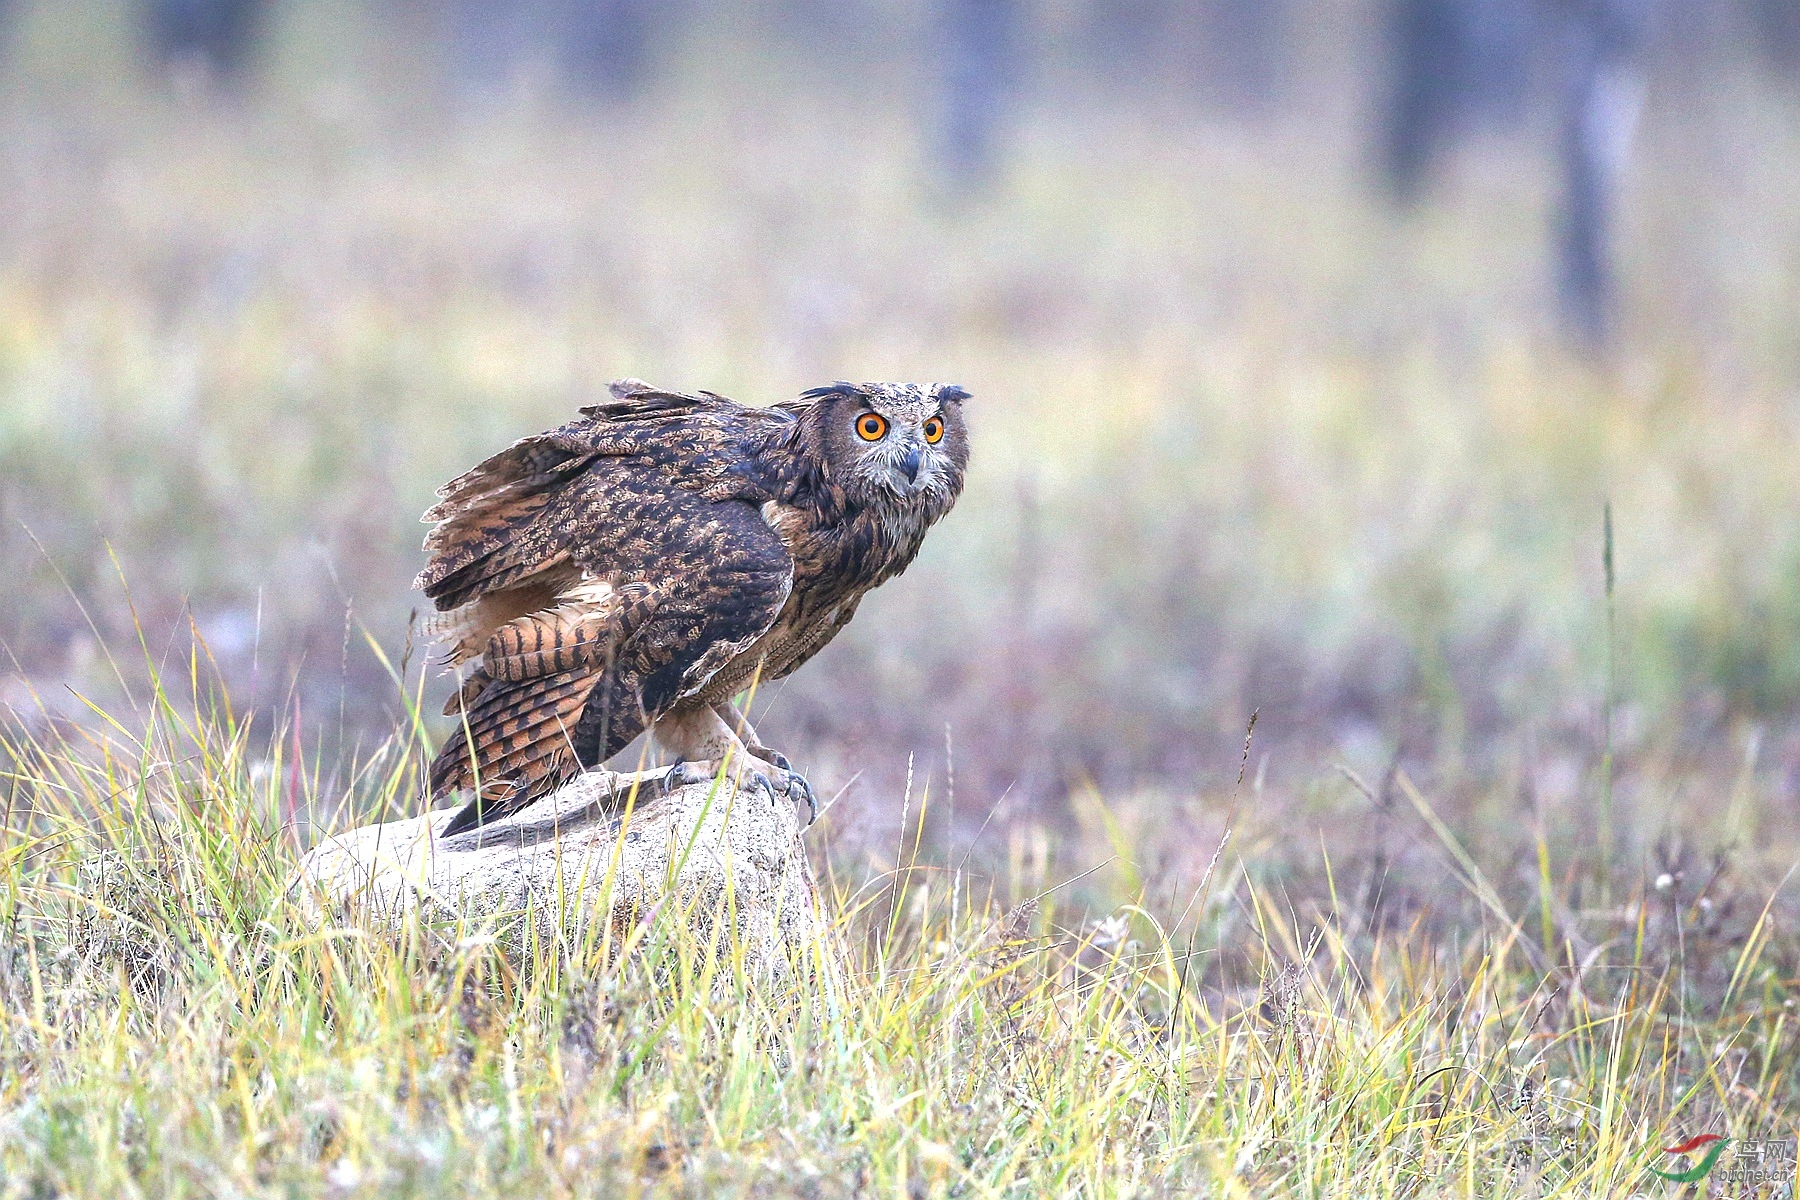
[910,463]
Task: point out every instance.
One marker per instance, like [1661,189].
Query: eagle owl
[639,566]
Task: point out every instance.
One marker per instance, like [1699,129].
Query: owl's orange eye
[934,430]
[871,427]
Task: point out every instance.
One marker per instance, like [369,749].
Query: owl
[640,566]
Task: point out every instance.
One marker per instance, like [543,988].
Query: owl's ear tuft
[946,392]
[840,388]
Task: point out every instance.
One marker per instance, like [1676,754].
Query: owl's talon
[796,788]
[755,782]
[684,774]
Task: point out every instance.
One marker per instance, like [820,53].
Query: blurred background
[1309,340]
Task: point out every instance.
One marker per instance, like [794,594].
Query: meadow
[178,1021]
[1275,778]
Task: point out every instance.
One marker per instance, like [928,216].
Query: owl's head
[891,443]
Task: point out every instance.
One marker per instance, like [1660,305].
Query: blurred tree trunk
[1450,64]
[1423,90]
[218,36]
[604,46]
[1603,43]
[978,50]
[1777,25]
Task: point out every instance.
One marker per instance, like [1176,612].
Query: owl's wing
[689,584]
[815,639]
[489,534]
[498,525]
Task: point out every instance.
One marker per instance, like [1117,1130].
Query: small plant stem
[1606,733]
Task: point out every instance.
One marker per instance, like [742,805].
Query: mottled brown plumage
[639,566]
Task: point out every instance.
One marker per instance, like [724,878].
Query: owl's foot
[686,774]
[774,758]
[754,774]
[783,785]
[787,781]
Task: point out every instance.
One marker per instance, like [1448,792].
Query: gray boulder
[586,873]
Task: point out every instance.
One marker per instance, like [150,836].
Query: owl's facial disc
[897,443]
[902,457]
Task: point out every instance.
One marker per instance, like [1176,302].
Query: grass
[175,1021]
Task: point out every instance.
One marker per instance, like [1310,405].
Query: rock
[583,871]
